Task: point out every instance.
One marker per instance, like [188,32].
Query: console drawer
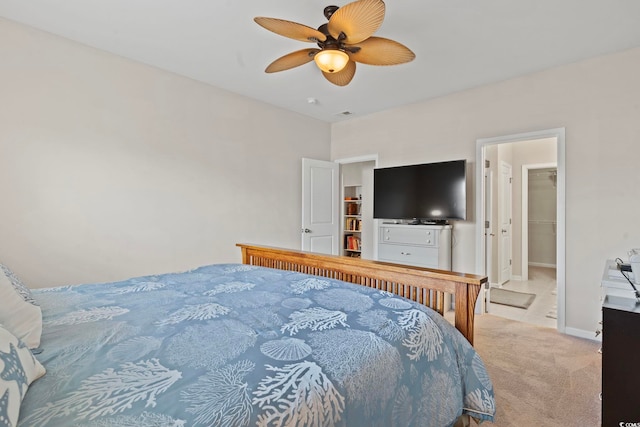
[408,235]
[412,255]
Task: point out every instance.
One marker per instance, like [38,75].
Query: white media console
[420,245]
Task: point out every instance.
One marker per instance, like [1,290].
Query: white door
[320,209]
[504,221]
[489,234]
[489,226]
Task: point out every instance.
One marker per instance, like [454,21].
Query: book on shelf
[353,243]
[353,224]
[353,209]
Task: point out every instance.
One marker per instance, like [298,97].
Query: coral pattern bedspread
[234,345]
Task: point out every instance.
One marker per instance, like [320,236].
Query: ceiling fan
[346,39]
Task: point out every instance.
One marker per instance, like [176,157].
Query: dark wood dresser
[620,362]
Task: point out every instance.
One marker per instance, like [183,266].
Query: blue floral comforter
[235,345]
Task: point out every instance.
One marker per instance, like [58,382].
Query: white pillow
[18,369]
[20,288]
[23,319]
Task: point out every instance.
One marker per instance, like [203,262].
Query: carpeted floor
[541,378]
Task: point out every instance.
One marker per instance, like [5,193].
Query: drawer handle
[405,253]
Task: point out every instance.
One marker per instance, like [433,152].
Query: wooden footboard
[423,285]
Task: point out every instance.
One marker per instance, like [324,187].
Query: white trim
[541,264]
[524,251]
[488,175]
[359,159]
[581,333]
[502,220]
[559,134]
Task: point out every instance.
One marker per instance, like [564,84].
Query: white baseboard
[581,333]
[541,264]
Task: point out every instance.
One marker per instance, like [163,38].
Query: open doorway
[544,279]
[539,235]
[356,182]
[539,216]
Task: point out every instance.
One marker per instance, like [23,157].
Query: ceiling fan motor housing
[332,43]
[330,10]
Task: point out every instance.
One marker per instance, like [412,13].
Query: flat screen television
[429,192]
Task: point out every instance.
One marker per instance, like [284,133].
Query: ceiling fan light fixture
[331,60]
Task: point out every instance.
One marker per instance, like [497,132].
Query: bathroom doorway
[541,278]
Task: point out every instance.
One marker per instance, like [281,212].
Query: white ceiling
[459,44]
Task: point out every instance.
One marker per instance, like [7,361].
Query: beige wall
[596,101]
[111,169]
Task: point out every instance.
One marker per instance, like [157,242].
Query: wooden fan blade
[291,60]
[342,77]
[290,29]
[381,51]
[357,20]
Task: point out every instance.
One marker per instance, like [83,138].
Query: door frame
[489,233]
[524,252]
[501,217]
[559,135]
[490,230]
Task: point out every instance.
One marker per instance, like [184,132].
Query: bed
[282,339]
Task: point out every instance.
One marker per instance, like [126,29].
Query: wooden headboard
[424,285]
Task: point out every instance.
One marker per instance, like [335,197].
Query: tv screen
[428,192]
